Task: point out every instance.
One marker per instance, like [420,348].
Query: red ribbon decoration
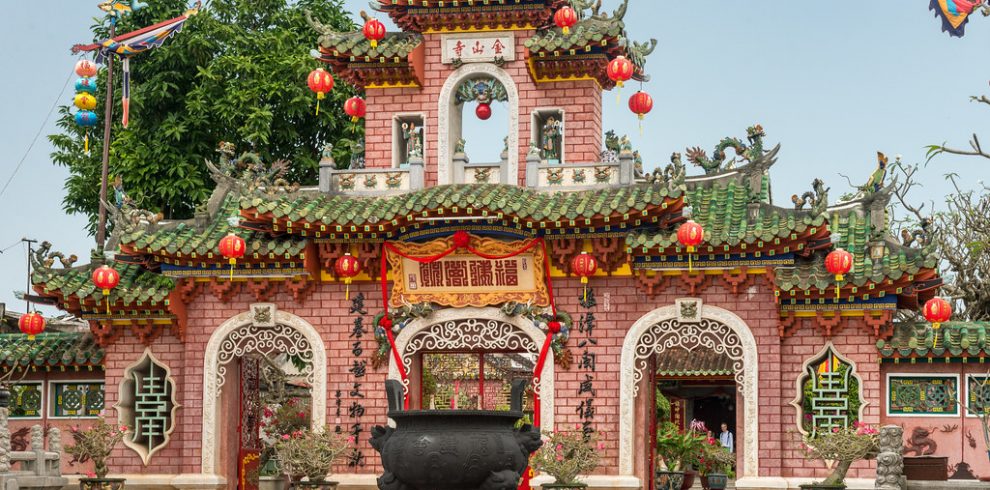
[462,240]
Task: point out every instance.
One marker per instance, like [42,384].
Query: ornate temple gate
[249,438]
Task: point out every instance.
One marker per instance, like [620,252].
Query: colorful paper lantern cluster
[565,18]
[232,247]
[31,324]
[838,263]
[106,278]
[347,267]
[321,82]
[85,99]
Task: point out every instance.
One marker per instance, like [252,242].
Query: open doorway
[475,380]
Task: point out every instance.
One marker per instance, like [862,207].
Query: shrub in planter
[309,454]
[565,455]
[844,447]
[95,444]
[678,450]
[714,464]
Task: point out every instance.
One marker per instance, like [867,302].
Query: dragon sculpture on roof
[750,152]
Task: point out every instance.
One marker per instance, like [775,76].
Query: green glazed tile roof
[185,240]
[955,339]
[587,32]
[701,362]
[723,212]
[521,202]
[355,46]
[855,235]
[137,286]
[55,349]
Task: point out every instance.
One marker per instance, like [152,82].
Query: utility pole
[101,228]
[27,291]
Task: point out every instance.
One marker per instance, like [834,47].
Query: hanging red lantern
[565,18]
[232,247]
[619,70]
[641,104]
[937,311]
[484,111]
[347,267]
[106,278]
[838,263]
[355,107]
[321,82]
[584,266]
[85,68]
[31,324]
[374,31]
[690,235]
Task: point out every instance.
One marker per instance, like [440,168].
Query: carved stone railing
[37,468]
[372,181]
[577,176]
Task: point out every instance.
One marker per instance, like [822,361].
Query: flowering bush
[715,458]
[565,455]
[95,443]
[310,454]
[679,449]
[845,446]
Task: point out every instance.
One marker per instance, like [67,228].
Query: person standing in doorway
[725,437]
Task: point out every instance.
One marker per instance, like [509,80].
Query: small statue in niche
[411,135]
[551,136]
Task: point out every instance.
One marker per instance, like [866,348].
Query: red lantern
[937,310]
[619,70]
[565,18]
[106,278]
[321,82]
[31,324]
[690,235]
[584,266]
[355,107]
[232,247]
[374,31]
[838,263]
[484,111]
[347,267]
[641,104]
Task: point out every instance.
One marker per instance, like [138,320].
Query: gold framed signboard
[464,279]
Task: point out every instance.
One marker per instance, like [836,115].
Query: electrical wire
[38,134]
[18,242]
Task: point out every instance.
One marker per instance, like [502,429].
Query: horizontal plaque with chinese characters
[478,47]
[464,279]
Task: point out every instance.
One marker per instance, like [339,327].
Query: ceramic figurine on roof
[748,153]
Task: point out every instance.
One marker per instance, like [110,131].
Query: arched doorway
[450,119]
[688,324]
[261,331]
[476,329]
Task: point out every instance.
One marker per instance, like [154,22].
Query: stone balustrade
[372,181]
[578,176]
[38,468]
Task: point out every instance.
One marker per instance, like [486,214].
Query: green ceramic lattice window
[922,395]
[978,394]
[77,399]
[147,405]
[25,401]
[830,393]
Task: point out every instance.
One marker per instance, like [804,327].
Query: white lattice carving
[481,329]
[238,336]
[248,339]
[446,106]
[799,383]
[717,329]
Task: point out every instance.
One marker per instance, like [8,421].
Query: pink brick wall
[580,100]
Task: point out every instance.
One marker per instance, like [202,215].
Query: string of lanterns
[85,100]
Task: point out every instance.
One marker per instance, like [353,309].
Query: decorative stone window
[914,395]
[147,405]
[977,394]
[547,132]
[828,393]
[26,400]
[408,142]
[76,398]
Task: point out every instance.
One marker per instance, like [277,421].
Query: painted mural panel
[922,395]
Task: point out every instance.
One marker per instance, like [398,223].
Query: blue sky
[833,82]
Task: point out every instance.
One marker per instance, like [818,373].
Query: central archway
[477,328]
[690,325]
[239,335]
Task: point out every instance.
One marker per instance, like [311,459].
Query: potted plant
[565,455]
[95,444]
[277,418]
[843,446]
[310,455]
[714,464]
[677,449]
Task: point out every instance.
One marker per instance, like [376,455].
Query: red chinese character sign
[462,278]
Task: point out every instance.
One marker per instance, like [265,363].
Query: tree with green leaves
[236,73]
